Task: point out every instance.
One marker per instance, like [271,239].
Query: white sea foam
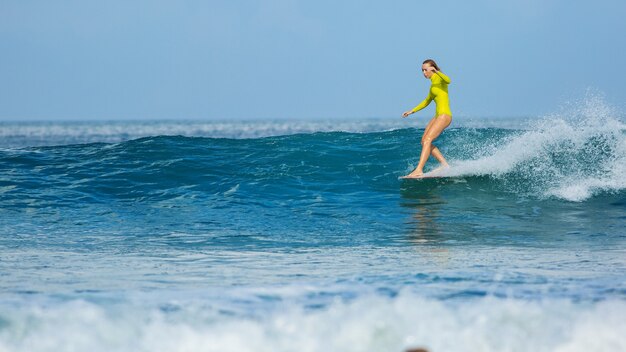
[369,323]
[570,155]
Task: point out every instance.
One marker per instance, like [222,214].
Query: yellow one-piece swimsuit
[439,92]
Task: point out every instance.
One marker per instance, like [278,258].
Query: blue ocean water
[282,235]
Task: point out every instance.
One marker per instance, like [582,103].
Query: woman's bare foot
[414,174]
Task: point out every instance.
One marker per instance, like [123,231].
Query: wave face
[571,159]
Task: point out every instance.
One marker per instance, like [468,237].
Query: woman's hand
[432,69]
[406,113]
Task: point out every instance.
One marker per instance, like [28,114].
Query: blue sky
[142,59]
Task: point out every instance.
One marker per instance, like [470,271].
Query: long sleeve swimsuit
[438,92]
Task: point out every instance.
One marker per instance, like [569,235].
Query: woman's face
[426,70]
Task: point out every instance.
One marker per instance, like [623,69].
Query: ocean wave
[571,157]
[367,323]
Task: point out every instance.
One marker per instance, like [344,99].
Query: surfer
[443,116]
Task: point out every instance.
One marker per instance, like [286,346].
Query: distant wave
[22,134]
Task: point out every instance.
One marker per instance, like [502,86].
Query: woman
[443,116]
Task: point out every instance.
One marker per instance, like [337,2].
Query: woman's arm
[421,105]
[443,76]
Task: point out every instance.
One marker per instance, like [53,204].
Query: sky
[305,59]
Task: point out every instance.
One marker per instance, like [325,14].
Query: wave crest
[571,155]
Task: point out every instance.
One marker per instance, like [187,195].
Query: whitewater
[299,235]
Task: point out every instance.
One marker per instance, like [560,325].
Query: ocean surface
[299,236]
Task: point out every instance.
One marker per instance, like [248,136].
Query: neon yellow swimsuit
[439,92]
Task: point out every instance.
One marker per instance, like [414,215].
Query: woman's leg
[434,151]
[433,130]
[428,126]
[439,124]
